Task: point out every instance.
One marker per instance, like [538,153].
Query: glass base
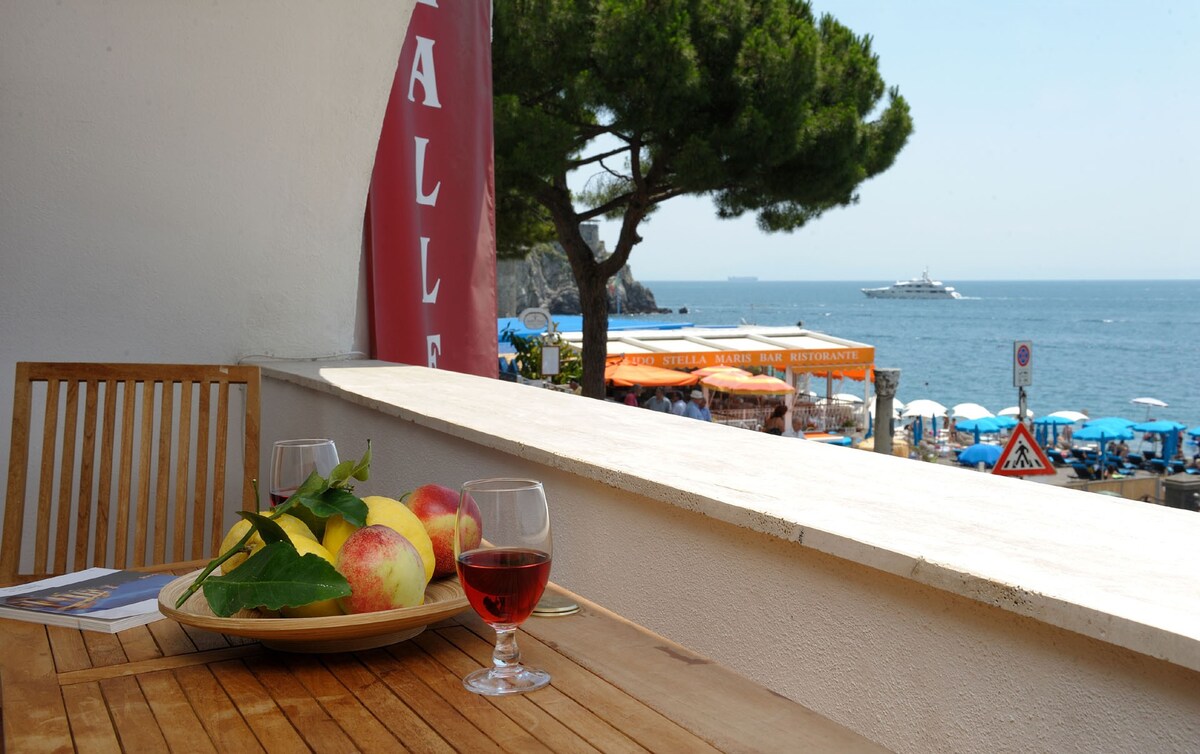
[502,681]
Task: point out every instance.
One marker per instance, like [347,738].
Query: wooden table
[616,687]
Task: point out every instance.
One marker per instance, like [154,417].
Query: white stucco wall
[930,609]
[185,181]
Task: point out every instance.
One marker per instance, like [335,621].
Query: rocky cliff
[544,279]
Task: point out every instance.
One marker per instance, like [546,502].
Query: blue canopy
[1118,421]
[1194,431]
[988,454]
[985,425]
[1161,426]
[1104,432]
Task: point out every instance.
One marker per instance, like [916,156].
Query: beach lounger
[1083,471]
[1157,465]
[1056,457]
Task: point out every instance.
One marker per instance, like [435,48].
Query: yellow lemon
[309,546]
[295,529]
[387,512]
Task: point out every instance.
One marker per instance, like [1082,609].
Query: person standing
[697,408]
[678,406]
[659,402]
[631,397]
[797,428]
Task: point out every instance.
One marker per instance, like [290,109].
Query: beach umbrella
[1053,422]
[1169,431]
[970,411]
[1149,403]
[1114,421]
[1161,426]
[622,374]
[988,454]
[923,407]
[1074,416]
[1104,431]
[706,371]
[1014,411]
[1194,431]
[1007,422]
[740,384]
[982,425]
[846,398]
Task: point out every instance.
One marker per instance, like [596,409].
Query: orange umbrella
[740,384]
[622,374]
[719,368]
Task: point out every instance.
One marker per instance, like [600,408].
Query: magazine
[98,599]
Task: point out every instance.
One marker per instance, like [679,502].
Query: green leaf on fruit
[314,485]
[341,473]
[363,470]
[274,577]
[266,527]
[341,502]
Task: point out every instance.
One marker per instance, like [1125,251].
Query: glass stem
[507,654]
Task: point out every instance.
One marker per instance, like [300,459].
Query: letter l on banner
[430,224]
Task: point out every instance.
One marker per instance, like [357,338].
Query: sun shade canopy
[778,347]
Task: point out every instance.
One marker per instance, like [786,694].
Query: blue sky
[1055,140]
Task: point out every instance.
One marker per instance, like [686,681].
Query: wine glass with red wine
[505,573]
[291,463]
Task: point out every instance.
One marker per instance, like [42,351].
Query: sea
[1097,345]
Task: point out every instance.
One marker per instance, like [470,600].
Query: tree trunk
[593,302]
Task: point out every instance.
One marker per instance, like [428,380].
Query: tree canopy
[754,103]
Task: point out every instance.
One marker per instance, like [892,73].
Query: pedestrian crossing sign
[1022,456]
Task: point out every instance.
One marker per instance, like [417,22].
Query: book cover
[98,599]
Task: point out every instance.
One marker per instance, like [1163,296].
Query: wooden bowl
[444,598]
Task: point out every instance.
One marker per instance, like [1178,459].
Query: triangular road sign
[1022,456]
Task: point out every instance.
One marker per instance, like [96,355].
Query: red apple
[384,569]
[437,507]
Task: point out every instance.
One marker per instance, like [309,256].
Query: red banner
[430,224]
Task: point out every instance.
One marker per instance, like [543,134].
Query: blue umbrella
[1007,422]
[1052,422]
[988,454]
[985,425]
[1161,426]
[1194,431]
[1104,431]
[1118,421]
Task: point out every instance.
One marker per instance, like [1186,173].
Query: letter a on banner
[430,222]
[1022,456]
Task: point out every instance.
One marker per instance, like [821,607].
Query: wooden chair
[97,501]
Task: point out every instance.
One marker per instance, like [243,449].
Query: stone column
[886,382]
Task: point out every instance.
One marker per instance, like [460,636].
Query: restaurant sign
[805,359]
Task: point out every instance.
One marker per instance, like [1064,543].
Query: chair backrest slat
[46,480]
[201,492]
[66,478]
[83,515]
[104,492]
[122,484]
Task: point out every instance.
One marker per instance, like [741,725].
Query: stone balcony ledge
[1120,571]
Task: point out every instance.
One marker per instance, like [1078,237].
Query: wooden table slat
[405,725]
[91,727]
[70,653]
[315,726]
[136,726]
[501,728]
[586,724]
[220,717]
[35,718]
[367,733]
[176,717]
[264,717]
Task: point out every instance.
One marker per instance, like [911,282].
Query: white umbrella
[970,411]
[897,406]
[1074,416]
[924,407]
[847,398]
[1149,402]
[1014,411]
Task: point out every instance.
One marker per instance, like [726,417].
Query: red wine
[279,497]
[505,583]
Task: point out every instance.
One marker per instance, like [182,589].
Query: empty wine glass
[291,463]
[502,545]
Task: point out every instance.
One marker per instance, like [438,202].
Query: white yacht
[921,287]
